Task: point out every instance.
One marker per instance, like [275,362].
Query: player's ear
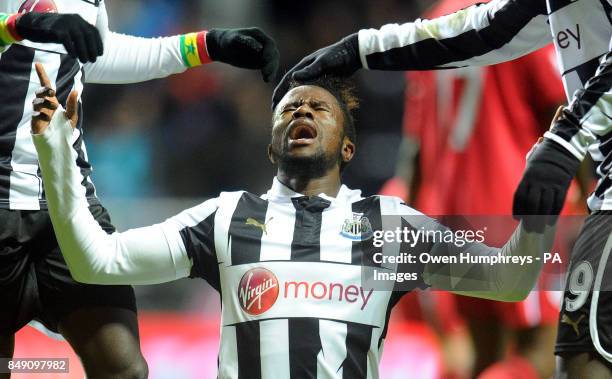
[271,155]
[348,150]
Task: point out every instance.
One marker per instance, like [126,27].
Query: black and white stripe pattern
[20,180]
[502,30]
[478,35]
[323,323]
[17,64]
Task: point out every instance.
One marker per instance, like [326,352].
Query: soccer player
[71,37]
[500,31]
[288,264]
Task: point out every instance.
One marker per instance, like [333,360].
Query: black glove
[81,39]
[339,59]
[547,177]
[245,48]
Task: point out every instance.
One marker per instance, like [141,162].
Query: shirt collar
[281,193]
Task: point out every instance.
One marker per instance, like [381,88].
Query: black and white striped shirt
[502,30]
[293,304]
[126,60]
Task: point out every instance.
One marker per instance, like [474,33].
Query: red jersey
[474,127]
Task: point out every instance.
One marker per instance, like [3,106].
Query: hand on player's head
[80,38]
[340,59]
[245,48]
[46,104]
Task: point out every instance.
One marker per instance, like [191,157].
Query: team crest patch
[357,228]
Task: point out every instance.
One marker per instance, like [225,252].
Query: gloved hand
[81,39]
[542,190]
[245,48]
[339,59]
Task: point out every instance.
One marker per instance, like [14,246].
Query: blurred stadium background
[166,145]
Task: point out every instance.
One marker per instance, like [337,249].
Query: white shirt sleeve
[501,281]
[483,34]
[153,254]
[129,59]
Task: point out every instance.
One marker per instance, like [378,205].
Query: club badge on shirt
[357,228]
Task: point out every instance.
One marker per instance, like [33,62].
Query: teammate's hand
[339,59]
[81,39]
[542,190]
[245,48]
[45,104]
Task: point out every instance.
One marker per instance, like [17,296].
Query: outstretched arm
[152,254]
[482,34]
[129,59]
[510,280]
[501,281]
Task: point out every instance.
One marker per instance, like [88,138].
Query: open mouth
[301,133]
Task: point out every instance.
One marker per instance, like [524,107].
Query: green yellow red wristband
[8,30]
[193,49]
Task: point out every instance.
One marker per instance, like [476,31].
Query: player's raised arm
[80,39]
[482,34]
[130,59]
[152,254]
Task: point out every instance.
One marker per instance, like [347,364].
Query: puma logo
[252,221]
[565,319]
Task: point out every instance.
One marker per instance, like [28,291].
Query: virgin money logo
[41,6]
[257,291]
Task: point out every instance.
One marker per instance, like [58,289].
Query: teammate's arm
[130,59]
[152,254]
[482,34]
[549,171]
[501,281]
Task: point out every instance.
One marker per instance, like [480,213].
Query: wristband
[193,49]
[8,30]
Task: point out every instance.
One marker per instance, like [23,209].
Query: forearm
[482,34]
[8,31]
[507,280]
[129,59]
[140,256]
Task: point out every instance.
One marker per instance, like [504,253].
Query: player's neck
[328,184]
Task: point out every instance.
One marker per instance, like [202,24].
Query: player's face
[308,129]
